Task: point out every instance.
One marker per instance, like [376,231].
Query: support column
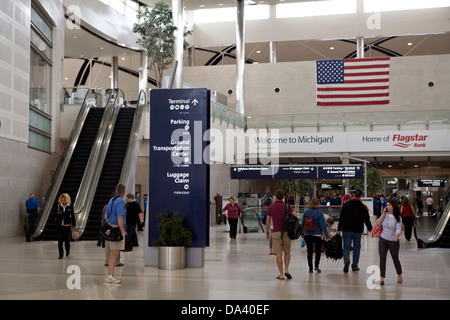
[240,56]
[115,73]
[273,52]
[143,72]
[177,9]
[191,55]
[346,182]
[360,47]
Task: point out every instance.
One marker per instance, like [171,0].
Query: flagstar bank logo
[405,141]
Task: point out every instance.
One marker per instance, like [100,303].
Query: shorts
[117,245]
[281,245]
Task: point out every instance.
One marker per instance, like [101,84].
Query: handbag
[108,231]
[75,235]
[376,231]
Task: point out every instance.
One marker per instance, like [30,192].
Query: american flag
[353,82]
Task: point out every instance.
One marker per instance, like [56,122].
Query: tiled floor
[234,270]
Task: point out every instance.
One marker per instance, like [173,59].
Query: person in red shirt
[408,215]
[234,212]
[276,213]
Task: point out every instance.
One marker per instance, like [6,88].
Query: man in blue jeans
[354,215]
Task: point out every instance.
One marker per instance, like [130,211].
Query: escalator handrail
[52,191]
[128,173]
[94,168]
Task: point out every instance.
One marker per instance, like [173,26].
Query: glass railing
[355,121]
[128,173]
[223,113]
[430,230]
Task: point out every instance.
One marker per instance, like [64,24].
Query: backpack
[334,248]
[308,224]
[292,225]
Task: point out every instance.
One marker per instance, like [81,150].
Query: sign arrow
[195,102]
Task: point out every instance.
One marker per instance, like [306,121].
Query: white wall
[24,170]
[409,77]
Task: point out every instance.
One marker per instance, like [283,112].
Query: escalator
[434,231]
[102,151]
[111,171]
[75,169]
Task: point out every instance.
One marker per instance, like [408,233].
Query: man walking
[116,214]
[353,216]
[280,240]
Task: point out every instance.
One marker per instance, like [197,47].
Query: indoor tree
[157,37]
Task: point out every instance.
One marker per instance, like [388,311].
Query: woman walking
[65,218]
[408,215]
[234,212]
[391,222]
[313,223]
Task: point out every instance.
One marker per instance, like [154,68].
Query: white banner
[368,141]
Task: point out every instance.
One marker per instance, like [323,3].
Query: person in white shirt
[391,222]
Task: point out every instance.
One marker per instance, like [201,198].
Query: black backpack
[334,248]
[292,225]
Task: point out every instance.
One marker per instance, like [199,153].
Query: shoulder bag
[108,231]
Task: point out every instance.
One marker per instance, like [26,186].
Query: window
[259,12]
[396,5]
[41,38]
[315,8]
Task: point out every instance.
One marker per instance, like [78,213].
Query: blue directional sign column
[178,173]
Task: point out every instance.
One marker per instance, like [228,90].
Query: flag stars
[330,71]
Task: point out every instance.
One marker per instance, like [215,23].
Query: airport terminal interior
[319,98]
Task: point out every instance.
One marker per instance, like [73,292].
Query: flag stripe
[374,66]
[368,95]
[351,103]
[354,88]
[362,81]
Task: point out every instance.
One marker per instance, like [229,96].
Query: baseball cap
[358,193]
[346,197]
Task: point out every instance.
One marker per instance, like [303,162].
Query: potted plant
[174,237]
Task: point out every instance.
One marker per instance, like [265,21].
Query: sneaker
[112,279]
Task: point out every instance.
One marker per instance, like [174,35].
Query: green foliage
[296,188]
[173,233]
[157,37]
[374,182]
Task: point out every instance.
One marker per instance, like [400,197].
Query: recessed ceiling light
[409,43]
[66,78]
[75,37]
[259,51]
[101,48]
[202,6]
[123,58]
[331,48]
